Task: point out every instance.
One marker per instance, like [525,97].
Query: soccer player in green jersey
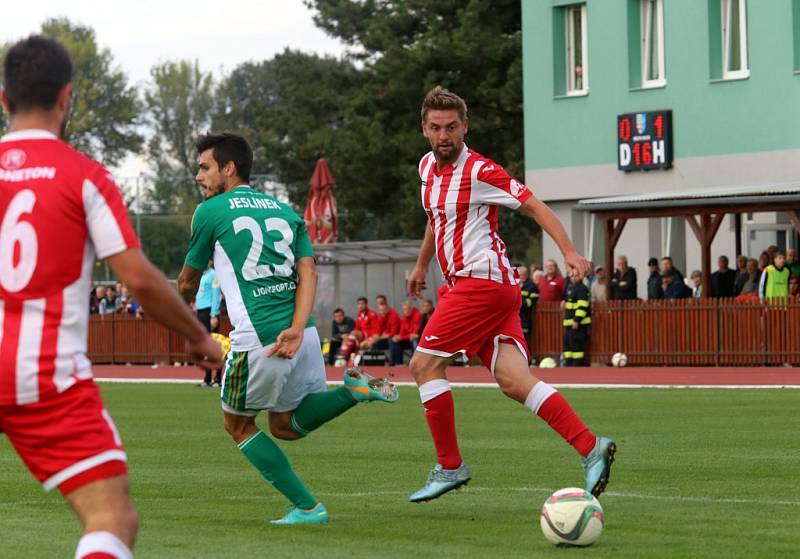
[265,266]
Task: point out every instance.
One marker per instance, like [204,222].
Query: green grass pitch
[699,473]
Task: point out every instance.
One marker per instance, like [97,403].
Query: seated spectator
[341,327]
[599,285]
[551,286]
[98,294]
[407,336]
[763,261]
[723,281]
[127,303]
[774,282]
[741,264]
[110,303]
[427,313]
[672,285]
[697,284]
[368,324]
[389,326]
[667,266]
[794,286]
[654,281]
[747,282]
[792,263]
[623,281]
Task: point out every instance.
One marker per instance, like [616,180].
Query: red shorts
[68,440]
[476,316]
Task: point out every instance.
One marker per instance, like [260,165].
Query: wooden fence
[687,332]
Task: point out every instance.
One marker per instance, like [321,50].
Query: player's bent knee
[283,433]
[239,427]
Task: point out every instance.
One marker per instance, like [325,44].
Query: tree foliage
[472,47]
[178,107]
[105,109]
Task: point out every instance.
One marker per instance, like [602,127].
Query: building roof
[715,195]
[367,251]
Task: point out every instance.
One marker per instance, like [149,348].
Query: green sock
[269,459]
[319,408]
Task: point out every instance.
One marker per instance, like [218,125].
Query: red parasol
[320,215]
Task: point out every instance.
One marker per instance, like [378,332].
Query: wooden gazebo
[703,209]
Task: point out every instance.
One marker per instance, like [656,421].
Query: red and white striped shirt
[58,211]
[462,202]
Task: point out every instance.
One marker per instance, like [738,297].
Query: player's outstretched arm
[161,302]
[544,216]
[289,340]
[416,281]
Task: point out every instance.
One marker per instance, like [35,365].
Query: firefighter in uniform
[577,318]
[530,296]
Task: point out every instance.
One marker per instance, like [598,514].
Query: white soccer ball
[547,363]
[572,516]
[619,359]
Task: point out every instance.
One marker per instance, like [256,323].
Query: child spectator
[774,279]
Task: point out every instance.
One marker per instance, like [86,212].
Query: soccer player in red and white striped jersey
[461,193]
[58,211]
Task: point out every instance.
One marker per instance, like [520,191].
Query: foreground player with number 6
[265,266]
[461,193]
[59,210]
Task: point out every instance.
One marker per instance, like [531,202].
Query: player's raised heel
[597,465]
[440,481]
[366,388]
[317,515]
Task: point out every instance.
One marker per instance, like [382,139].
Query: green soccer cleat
[317,515]
[440,481]
[366,388]
[597,465]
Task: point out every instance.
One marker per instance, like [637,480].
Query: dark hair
[341,310]
[652,262]
[35,70]
[668,274]
[381,297]
[362,299]
[228,147]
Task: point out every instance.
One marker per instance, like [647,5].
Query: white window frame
[645,7]
[725,20]
[572,89]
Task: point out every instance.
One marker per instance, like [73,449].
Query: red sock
[559,415]
[441,417]
[99,555]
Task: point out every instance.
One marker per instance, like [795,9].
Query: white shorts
[254,382]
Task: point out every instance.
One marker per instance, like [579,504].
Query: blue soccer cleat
[366,388]
[440,481]
[317,515]
[597,465]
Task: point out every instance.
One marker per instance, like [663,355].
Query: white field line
[540,490]
[479,384]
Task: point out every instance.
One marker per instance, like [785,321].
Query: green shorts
[254,382]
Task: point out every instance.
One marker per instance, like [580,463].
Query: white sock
[433,388]
[102,542]
[540,392]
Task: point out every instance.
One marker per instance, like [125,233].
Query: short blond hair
[440,99]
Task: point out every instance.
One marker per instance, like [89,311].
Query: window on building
[577,54]
[796,23]
[652,39]
[734,39]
